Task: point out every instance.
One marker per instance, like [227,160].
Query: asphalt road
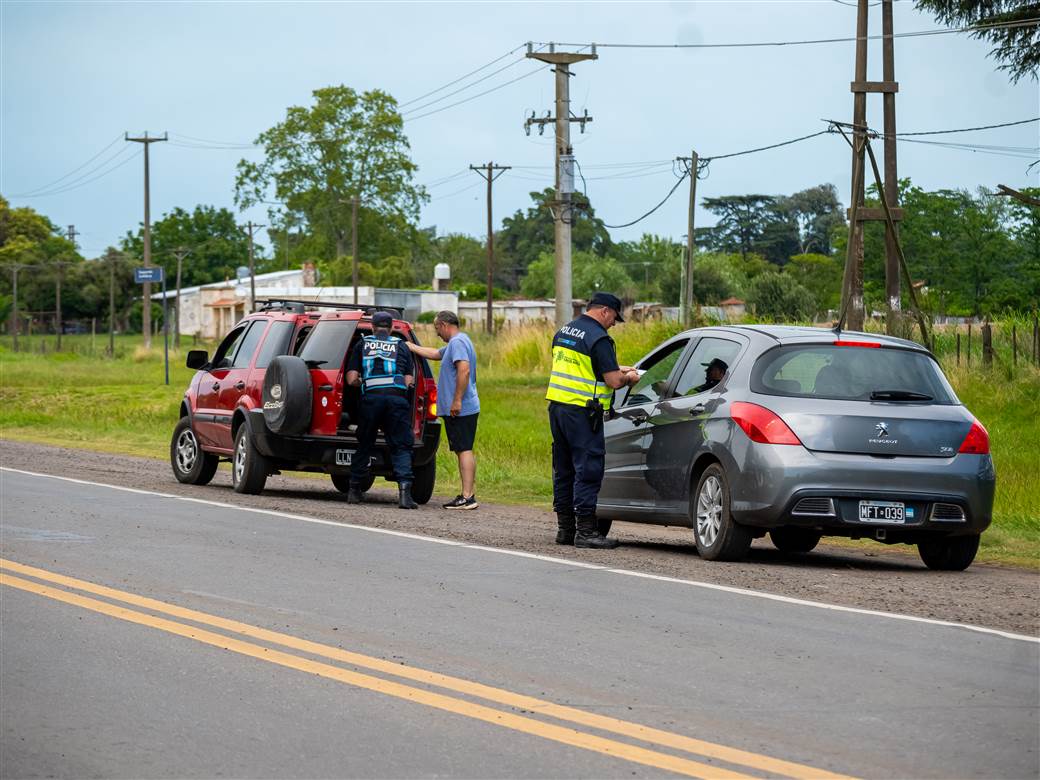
[160,636]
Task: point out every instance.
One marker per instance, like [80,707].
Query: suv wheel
[794,540]
[248,467]
[423,479]
[191,465]
[342,482]
[717,536]
[949,553]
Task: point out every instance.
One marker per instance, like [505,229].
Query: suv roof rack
[299,306]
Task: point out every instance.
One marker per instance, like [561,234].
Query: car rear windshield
[326,347]
[851,374]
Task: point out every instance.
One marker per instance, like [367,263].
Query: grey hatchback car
[800,432]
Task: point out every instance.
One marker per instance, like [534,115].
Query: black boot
[587,535]
[565,528]
[404,496]
[355,495]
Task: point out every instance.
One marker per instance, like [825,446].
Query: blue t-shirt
[458,348]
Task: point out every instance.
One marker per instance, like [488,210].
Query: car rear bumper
[790,485]
[331,453]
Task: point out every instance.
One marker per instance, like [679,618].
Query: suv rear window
[851,374]
[326,347]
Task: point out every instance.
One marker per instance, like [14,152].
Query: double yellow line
[567,735]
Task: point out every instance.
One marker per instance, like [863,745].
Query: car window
[326,347]
[711,360]
[851,373]
[653,384]
[226,350]
[276,343]
[246,347]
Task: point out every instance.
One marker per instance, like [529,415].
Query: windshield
[851,374]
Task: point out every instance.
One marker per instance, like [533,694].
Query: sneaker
[462,503]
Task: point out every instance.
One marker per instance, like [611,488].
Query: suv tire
[248,467]
[717,536]
[286,396]
[342,483]
[949,553]
[191,465]
[423,480]
[791,539]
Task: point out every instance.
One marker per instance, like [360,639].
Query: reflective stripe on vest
[379,364]
[572,380]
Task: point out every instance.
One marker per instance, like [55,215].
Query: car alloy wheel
[187,450]
[239,467]
[709,510]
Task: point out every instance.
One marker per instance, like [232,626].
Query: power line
[764,148]
[474,97]
[972,129]
[460,78]
[914,34]
[655,208]
[77,183]
[74,170]
[465,87]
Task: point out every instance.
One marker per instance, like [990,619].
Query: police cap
[608,300]
[382,319]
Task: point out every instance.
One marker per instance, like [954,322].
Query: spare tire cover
[287,395]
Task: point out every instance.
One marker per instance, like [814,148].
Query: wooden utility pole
[686,289]
[59,269]
[252,272]
[180,253]
[112,304]
[146,293]
[563,216]
[355,202]
[852,284]
[488,172]
[15,267]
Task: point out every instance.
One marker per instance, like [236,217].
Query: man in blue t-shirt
[457,399]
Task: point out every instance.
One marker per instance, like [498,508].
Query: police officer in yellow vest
[585,373]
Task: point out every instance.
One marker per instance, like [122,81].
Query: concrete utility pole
[59,268]
[180,253]
[112,305]
[252,274]
[686,292]
[563,216]
[15,267]
[852,284]
[146,294]
[488,172]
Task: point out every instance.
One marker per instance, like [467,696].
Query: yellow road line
[566,736]
[772,766]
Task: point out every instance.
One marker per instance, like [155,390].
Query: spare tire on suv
[286,395]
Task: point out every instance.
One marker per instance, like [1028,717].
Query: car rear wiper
[315,363]
[899,395]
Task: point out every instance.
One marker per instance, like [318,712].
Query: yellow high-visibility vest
[572,380]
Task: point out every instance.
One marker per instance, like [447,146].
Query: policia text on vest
[381,366]
[584,375]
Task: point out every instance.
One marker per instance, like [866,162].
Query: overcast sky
[75,76]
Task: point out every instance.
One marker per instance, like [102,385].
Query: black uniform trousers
[390,412]
[578,451]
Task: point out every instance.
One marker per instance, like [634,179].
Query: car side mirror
[197,358]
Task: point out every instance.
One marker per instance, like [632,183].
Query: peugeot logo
[881,429]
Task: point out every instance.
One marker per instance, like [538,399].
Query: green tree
[343,146]
[591,273]
[741,224]
[821,275]
[816,212]
[1017,49]
[779,297]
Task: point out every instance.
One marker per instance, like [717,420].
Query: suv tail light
[431,400]
[761,424]
[977,440]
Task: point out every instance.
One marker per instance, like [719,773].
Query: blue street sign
[142,275]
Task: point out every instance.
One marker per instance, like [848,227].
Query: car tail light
[431,400]
[856,344]
[761,424]
[977,440]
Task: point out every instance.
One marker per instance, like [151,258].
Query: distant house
[512,313]
[733,308]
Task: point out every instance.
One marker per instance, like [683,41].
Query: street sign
[142,275]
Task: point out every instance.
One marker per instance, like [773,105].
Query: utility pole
[252,275]
[112,304]
[59,268]
[852,284]
[180,253]
[564,154]
[488,172]
[686,292]
[15,267]
[146,308]
[355,202]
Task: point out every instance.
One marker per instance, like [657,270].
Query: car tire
[790,539]
[949,553]
[191,465]
[342,482]
[423,481]
[717,535]
[286,396]
[248,467]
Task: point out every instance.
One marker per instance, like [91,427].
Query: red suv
[274,398]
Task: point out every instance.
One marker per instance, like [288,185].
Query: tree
[345,145]
[1016,48]
[592,273]
[779,297]
[820,275]
[742,221]
[816,211]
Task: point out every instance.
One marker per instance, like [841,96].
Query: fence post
[987,344]
[1014,346]
[1036,340]
[969,345]
[958,348]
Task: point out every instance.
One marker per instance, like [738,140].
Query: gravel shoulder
[866,575]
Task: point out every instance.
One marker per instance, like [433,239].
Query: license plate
[882,511]
[343,457]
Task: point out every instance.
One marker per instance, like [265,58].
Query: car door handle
[240,385]
[638,418]
[216,386]
[698,410]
